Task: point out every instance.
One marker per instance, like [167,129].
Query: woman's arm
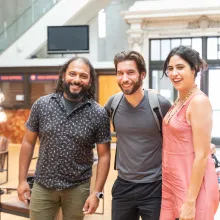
[199,115]
[200,118]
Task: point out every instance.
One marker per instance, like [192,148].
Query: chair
[4,157]
[14,206]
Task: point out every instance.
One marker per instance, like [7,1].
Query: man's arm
[102,172]
[102,139]
[199,116]
[103,166]
[108,104]
[26,153]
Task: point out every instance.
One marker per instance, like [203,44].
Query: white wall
[36,36]
[92,55]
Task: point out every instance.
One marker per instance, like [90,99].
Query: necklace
[173,110]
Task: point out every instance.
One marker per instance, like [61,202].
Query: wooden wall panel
[107,87]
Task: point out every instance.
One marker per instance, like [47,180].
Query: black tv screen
[68,39]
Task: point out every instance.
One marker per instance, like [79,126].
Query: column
[135,35]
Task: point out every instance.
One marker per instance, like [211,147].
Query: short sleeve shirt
[67,140]
[138,140]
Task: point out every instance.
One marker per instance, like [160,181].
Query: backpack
[154,105]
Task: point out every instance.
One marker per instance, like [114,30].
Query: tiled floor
[13,173]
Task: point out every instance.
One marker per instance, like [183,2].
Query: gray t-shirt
[139,142]
[69,104]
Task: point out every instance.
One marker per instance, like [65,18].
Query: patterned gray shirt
[66,140]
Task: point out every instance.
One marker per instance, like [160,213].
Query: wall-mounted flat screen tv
[68,39]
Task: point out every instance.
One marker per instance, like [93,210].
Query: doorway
[213,92]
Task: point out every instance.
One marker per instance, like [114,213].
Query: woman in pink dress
[190,188]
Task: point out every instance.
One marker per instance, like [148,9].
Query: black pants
[130,201]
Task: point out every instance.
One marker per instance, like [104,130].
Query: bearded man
[137,190]
[69,123]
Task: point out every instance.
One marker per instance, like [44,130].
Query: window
[212,46]
[162,85]
[102,23]
[13,88]
[197,45]
[165,48]
[198,80]
[214,90]
[186,42]
[175,43]
[41,85]
[161,48]
[155,50]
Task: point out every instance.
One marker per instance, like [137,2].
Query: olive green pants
[45,203]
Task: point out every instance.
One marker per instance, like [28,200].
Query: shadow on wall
[14,128]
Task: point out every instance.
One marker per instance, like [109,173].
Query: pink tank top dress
[177,162]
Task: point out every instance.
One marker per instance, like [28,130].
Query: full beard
[76,96]
[133,89]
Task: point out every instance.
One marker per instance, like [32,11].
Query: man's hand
[91,204]
[23,191]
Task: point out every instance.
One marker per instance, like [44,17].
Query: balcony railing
[24,21]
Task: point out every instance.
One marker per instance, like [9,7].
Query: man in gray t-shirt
[137,190]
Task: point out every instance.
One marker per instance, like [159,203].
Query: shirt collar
[84,101]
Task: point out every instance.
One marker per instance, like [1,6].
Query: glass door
[214,91]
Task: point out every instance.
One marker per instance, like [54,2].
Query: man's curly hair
[92,90]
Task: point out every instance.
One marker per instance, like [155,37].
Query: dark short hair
[92,91]
[191,56]
[131,55]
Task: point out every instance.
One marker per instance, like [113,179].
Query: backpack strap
[155,108]
[115,102]
[114,105]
